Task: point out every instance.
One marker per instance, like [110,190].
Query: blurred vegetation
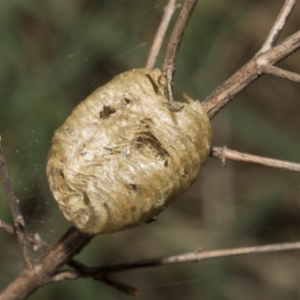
[54,53]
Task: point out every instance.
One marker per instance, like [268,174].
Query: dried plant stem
[40,274]
[248,73]
[18,219]
[160,34]
[223,153]
[80,270]
[7,228]
[132,291]
[36,242]
[194,256]
[267,56]
[278,25]
[198,255]
[271,70]
[76,274]
[174,44]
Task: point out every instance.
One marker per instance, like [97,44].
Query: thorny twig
[160,33]
[174,44]
[224,153]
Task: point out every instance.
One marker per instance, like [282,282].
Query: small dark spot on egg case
[106,112]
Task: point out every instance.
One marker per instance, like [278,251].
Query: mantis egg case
[123,155]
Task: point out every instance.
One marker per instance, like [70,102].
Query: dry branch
[174,45]
[40,274]
[18,219]
[198,255]
[271,70]
[33,240]
[160,33]
[278,26]
[248,73]
[267,56]
[194,256]
[224,153]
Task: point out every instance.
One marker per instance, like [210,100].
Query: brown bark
[56,256]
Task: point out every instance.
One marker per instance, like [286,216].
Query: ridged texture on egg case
[123,154]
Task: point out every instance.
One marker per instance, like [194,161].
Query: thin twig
[174,45]
[7,228]
[160,34]
[271,70]
[81,271]
[129,290]
[18,219]
[254,68]
[34,240]
[223,153]
[194,256]
[248,74]
[278,26]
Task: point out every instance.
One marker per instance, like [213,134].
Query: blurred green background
[54,53]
